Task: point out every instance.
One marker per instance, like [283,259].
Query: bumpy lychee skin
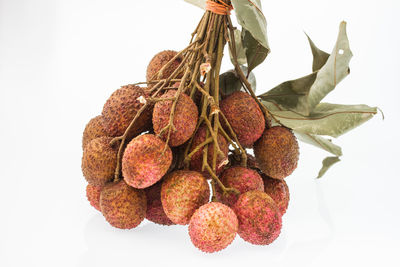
[93,195]
[236,161]
[123,206]
[155,211]
[213,227]
[277,152]
[197,158]
[260,221]
[159,60]
[99,161]
[245,117]
[183,192]
[185,118]
[121,108]
[240,178]
[94,129]
[278,190]
[144,161]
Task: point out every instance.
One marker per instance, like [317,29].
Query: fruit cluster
[166,175]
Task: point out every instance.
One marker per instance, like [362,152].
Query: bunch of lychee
[155,184]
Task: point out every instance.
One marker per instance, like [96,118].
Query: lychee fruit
[94,129]
[245,117]
[121,108]
[155,211]
[235,160]
[260,221]
[93,195]
[240,178]
[183,192]
[158,61]
[185,118]
[196,161]
[99,161]
[213,227]
[278,190]
[122,205]
[277,152]
[145,161]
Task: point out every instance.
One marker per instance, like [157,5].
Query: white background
[59,62]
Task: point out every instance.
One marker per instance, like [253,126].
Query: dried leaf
[240,52]
[320,57]
[304,94]
[198,3]
[254,51]
[320,142]
[229,82]
[326,164]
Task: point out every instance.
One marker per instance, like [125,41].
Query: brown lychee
[93,195]
[245,117]
[260,221]
[240,178]
[278,190]
[158,61]
[197,158]
[122,205]
[145,161]
[121,108]
[185,118]
[99,161]
[277,152]
[213,227]
[94,129]
[155,211]
[183,192]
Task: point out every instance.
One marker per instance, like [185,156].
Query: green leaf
[240,51]
[326,119]
[254,51]
[304,94]
[198,3]
[320,142]
[250,17]
[320,57]
[326,164]
[229,82]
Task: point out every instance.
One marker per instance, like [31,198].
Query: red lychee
[122,205]
[185,118]
[240,178]
[277,152]
[213,227]
[158,61]
[155,211]
[260,221]
[93,195]
[94,129]
[245,117]
[183,192]
[145,161]
[278,190]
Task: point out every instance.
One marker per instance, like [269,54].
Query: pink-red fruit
[260,221]
[197,158]
[93,195]
[146,159]
[240,178]
[213,227]
[94,129]
[183,192]
[277,152]
[245,117]
[121,108]
[99,161]
[155,211]
[185,118]
[158,61]
[278,190]
[123,206]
